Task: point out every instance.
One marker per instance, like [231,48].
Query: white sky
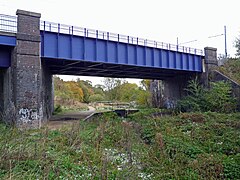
[158,20]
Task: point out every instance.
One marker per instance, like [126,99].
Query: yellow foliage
[75,91]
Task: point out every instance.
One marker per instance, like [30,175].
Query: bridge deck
[81,51]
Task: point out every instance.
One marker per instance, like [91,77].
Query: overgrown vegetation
[231,68]
[147,145]
[237,46]
[216,99]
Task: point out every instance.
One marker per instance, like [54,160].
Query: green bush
[216,99]
[194,101]
[96,97]
[219,98]
[188,104]
[58,109]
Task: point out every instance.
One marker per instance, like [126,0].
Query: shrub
[194,101]
[216,99]
[58,109]
[219,98]
[96,97]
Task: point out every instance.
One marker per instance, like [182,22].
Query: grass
[147,145]
[59,109]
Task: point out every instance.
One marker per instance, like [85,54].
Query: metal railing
[8,23]
[92,33]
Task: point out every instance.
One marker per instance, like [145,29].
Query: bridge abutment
[31,80]
[210,63]
[27,71]
[166,93]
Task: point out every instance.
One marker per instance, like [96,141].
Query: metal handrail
[8,23]
[92,33]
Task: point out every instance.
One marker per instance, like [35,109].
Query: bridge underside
[88,56]
[5,56]
[87,68]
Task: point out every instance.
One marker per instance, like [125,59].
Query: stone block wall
[166,93]
[26,88]
[27,71]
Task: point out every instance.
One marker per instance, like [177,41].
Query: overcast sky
[158,20]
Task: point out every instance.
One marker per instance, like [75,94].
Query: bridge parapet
[104,35]
[8,23]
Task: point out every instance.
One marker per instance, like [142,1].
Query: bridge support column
[47,92]
[166,93]
[27,71]
[174,90]
[209,65]
[7,108]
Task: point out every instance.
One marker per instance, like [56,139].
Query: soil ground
[68,119]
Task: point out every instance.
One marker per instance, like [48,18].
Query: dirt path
[68,119]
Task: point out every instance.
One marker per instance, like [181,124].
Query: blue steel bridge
[70,50]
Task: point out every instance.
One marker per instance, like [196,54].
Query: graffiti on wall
[28,115]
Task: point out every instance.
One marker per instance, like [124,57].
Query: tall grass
[144,146]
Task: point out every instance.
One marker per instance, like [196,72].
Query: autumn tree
[60,89]
[128,92]
[112,89]
[96,97]
[121,90]
[99,89]
[75,91]
[145,84]
[67,90]
[87,89]
[144,97]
